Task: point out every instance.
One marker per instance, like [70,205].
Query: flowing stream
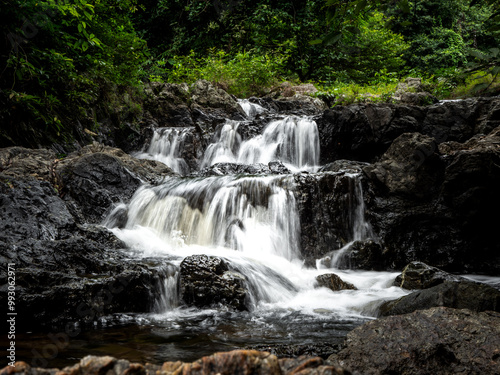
[252,222]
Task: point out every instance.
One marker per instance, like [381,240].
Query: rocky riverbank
[429,177]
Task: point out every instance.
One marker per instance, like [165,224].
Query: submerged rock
[223,169]
[434,341]
[459,295]
[207,281]
[333,282]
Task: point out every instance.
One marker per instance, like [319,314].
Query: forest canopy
[63,58]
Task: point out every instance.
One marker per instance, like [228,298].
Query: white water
[253,223]
[166,146]
[251,109]
[292,140]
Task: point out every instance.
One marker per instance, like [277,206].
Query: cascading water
[166,146]
[253,224]
[293,140]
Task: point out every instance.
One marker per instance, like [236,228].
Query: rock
[224,363]
[65,272]
[168,103]
[326,203]
[333,282]
[434,341]
[98,176]
[459,295]
[363,132]
[207,280]
[22,162]
[364,255]
[344,166]
[410,166]
[207,97]
[235,362]
[418,275]
[222,169]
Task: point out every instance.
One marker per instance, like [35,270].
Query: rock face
[98,176]
[207,280]
[459,295]
[363,132]
[333,282]
[434,341]
[418,275]
[439,212]
[65,271]
[225,363]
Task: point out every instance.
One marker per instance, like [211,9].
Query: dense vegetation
[71,63]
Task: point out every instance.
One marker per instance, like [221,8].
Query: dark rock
[418,275]
[327,203]
[306,365]
[168,103]
[65,272]
[207,280]
[363,255]
[333,282]
[410,166]
[418,98]
[97,177]
[364,131]
[446,223]
[22,162]
[434,341]
[344,166]
[459,295]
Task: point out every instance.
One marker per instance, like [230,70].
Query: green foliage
[60,57]
[243,75]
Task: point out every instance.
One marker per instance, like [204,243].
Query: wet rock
[207,97]
[459,295]
[207,280]
[344,166]
[98,176]
[168,103]
[326,202]
[305,365]
[364,255]
[410,166]
[434,341]
[65,272]
[418,275]
[333,282]
[364,131]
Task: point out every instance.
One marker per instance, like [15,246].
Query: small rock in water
[333,282]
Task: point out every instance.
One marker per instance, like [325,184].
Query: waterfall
[251,109]
[166,146]
[292,140]
[251,222]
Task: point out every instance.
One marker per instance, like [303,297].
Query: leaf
[332,38]
[315,41]
[80,27]
[404,6]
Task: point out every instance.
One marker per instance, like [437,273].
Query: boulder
[207,280]
[418,275]
[410,166]
[333,282]
[97,176]
[363,132]
[207,97]
[327,204]
[459,295]
[363,255]
[224,363]
[435,341]
[65,272]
